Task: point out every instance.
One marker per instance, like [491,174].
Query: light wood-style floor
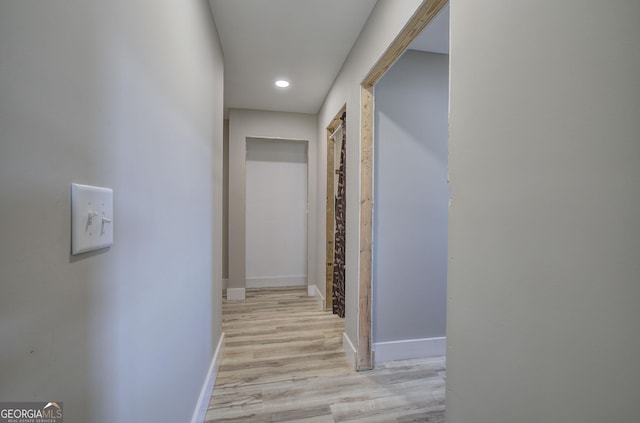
[283,362]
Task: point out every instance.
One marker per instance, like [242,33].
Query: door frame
[330,209]
[414,26]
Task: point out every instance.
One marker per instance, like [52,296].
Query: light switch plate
[91,218]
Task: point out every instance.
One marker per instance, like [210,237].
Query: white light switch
[91,218]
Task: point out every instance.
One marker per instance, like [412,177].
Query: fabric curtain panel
[340,232]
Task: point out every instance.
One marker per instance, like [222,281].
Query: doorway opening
[335,214]
[276,213]
[411,197]
[428,10]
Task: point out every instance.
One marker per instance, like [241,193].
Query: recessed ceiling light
[282,83]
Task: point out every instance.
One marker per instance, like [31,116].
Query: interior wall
[385,22]
[225,204]
[411,198]
[245,124]
[276,213]
[128,96]
[544,236]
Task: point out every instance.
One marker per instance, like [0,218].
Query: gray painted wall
[411,199]
[544,269]
[101,93]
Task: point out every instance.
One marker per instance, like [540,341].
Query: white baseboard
[319,293]
[276,281]
[315,292]
[200,412]
[225,283]
[349,350]
[235,294]
[410,348]
[311,292]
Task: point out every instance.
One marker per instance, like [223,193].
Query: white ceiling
[303,41]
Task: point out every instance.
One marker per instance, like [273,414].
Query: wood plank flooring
[283,362]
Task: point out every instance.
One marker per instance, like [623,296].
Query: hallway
[283,361]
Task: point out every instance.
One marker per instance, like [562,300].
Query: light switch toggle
[92,214]
[105,219]
[90,207]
